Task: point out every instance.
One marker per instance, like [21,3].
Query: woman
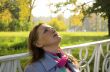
[46,54]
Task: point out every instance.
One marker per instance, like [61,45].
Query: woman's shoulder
[33,67]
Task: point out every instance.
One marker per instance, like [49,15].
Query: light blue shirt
[47,64]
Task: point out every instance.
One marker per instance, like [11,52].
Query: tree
[12,6]
[57,24]
[101,7]
[17,12]
[76,20]
[8,12]
[31,5]
[60,6]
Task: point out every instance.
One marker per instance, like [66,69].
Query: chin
[59,39]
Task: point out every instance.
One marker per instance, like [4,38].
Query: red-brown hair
[36,52]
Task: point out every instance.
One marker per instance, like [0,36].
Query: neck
[52,48]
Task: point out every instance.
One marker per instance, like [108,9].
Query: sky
[41,8]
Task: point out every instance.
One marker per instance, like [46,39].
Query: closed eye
[45,30]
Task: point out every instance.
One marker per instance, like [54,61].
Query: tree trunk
[29,17]
[31,7]
[109,25]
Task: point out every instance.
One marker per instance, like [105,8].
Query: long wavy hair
[36,52]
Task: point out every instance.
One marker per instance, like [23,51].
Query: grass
[14,34]
[13,42]
[73,38]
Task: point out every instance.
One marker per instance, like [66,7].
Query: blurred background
[77,21]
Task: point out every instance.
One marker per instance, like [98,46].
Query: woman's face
[47,36]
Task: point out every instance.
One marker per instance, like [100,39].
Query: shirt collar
[48,61]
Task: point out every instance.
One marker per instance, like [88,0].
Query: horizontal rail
[12,57]
[87,44]
[21,55]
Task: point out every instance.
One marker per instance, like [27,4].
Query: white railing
[98,60]
[11,63]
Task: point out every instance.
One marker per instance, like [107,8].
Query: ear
[39,44]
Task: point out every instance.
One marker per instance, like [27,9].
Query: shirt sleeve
[36,67]
[27,69]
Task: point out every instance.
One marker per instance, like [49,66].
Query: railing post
[97,58]
[19,66]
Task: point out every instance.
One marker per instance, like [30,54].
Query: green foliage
[101,7]
[12,6]
[57,24]
[61,5]
[6,16]
[14,25]
[2,26]
[14,15]
[24,9]
[26,26]
[76,20]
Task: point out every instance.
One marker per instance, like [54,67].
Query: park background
[77,21]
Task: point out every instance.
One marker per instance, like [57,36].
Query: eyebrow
[46,28]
